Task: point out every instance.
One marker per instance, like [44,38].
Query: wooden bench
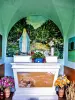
[1,70]
[70,73]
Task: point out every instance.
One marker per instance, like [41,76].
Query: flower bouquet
[60,83]
[6,83]
[70,91]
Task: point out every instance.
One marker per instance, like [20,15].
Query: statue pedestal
[19,58]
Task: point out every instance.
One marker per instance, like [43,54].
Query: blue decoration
[38,60]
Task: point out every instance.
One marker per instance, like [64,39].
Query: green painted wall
[71,56]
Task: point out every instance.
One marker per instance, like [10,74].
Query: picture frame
[71,49]
[0,46]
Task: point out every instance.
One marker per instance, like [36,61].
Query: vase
[7,92]
[38,60]
[61,92]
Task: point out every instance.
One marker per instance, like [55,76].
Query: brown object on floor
[1,70]
[61,92]
[7,92]
[70,73]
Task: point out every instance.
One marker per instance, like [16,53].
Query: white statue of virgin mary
[24,42]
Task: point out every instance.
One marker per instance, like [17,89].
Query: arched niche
[44,33]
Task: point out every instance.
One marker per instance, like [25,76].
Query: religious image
[71,49]
[35,79]
[0,46]
[24,42]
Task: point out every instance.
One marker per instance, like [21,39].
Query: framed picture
[0,46]
[71,49]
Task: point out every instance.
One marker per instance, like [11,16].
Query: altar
[35,81]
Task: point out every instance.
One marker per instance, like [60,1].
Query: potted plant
[60,83]
[38,57]
[6,83]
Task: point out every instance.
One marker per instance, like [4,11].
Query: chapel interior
[37,26]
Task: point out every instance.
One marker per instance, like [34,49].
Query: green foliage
[37,55]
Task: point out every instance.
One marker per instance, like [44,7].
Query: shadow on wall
[33,99]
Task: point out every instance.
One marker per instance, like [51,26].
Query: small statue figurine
[24,42]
